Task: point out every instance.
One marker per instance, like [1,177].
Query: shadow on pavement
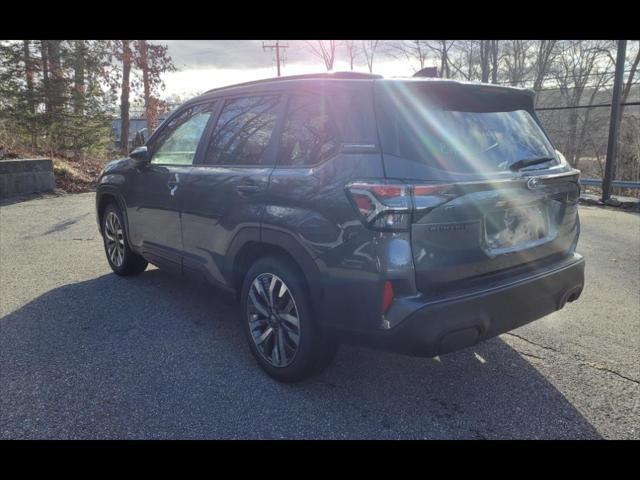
[64,225]
[5,201]
[155,357]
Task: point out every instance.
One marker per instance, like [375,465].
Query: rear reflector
[387,296]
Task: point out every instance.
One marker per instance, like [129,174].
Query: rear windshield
[462,132]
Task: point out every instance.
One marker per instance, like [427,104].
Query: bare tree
[464,59]
[152,60]
[29,74]
[630,79]
[489,60]
[351,48]
[546,54]
[485,61]
[79,71]
[117,74]
[369,48]
[127,60]
[324,49]
[442,49]
[54,86]
[628,161]
[29,70]
[44,58]
[495,59]
[414,51]
[517,61]
[56,76]
[582,69]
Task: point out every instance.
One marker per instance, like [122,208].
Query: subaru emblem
[533,183]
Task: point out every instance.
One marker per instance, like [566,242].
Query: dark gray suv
[414,215]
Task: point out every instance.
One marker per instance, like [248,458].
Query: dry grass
[76,176]
[72,175]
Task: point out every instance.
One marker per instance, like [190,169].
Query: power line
[551,79]
[587,106]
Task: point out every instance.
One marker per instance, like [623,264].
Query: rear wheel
[277,318]
[121,258]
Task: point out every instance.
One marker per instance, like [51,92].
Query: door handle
[247,189]
[173,185]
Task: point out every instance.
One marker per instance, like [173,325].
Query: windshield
[454,138]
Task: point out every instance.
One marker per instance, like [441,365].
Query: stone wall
[24,176]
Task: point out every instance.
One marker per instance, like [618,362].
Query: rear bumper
[434,327]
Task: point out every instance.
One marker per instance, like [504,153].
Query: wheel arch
[247,250]
[104,197]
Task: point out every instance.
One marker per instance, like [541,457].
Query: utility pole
[277,48]
[612,141]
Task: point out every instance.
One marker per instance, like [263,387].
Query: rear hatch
[491,197]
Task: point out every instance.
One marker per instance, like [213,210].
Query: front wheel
[121,258]
[277,317]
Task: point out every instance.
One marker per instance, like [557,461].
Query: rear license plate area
[516,227]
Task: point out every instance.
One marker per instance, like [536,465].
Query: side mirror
[140,156]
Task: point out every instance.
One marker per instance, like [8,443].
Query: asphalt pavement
[87,354]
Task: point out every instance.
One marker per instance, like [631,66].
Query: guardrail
[615,183]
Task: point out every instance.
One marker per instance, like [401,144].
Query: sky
[206,64]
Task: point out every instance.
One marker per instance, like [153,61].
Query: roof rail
[327,75]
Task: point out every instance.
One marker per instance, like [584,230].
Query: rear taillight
[388,206]
[383,206]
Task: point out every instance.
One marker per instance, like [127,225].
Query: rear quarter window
[352,102]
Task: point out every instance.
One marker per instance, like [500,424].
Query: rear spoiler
[455,94]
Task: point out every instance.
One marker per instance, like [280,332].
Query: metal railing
[615,183]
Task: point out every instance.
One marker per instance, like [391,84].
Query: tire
[313,351]
[122,260]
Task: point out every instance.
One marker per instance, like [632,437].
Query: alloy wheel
[114,236]
[273,319]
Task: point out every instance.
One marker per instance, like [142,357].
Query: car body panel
[215,211]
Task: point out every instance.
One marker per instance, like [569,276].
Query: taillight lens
[431,195]
[388,206]
[383,206]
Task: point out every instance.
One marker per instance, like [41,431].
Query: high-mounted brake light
[388,206]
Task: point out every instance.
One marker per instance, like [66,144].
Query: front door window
[180,141]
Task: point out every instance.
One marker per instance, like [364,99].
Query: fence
[581,132]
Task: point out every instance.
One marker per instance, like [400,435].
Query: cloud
[206,64]
[236,54]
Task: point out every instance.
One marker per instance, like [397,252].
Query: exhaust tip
[573,297]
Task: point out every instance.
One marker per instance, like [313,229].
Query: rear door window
[309,135]
[243,131]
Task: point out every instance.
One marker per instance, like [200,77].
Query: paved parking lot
[87,354]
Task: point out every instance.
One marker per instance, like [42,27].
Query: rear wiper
[527,162]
